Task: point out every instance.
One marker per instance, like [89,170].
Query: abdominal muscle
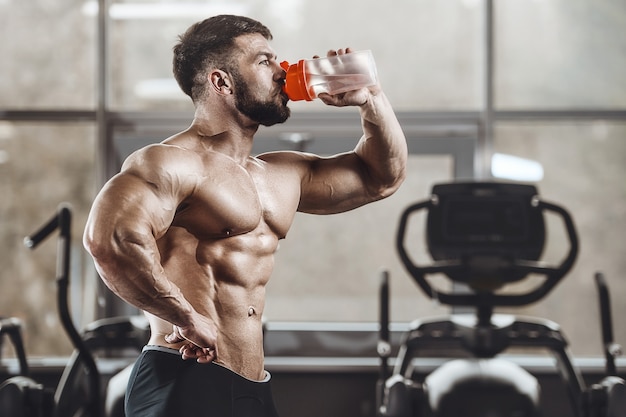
[223,279]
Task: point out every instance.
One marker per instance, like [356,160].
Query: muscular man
[187,231]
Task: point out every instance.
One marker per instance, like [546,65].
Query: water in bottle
[333,75]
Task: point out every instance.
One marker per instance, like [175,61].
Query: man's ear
[220,82]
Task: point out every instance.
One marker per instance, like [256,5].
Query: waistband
[161,349]
[171,351]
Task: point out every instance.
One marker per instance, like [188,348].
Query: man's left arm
[376,167]
[383,146]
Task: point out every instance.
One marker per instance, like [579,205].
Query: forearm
[383,146]
[130,267]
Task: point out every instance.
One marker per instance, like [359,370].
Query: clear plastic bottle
[333,75]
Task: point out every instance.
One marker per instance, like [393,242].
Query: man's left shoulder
[284,157]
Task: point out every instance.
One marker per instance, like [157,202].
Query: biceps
[125,208]
[334,185]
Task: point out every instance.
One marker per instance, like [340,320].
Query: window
[558,99]
[48,56]
[426,45]
[588,181]
[560,54]
[43,165]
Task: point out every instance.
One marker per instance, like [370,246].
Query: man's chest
[238,202]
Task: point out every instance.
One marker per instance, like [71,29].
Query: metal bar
[606,322]
[48,115]
[130,119]
[103,147]
[485,139]
[541,115]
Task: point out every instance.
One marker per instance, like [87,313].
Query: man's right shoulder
[164,167]
[161,151]
[160,156]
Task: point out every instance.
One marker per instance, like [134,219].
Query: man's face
[258,82]
[267,112]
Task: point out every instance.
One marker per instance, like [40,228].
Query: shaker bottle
[332,75]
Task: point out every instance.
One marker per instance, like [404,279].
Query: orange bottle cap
[295,81]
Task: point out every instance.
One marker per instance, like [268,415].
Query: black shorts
[162,384]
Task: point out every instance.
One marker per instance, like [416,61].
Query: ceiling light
[515,168]
[146,11]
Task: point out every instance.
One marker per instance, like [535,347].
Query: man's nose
[280,74]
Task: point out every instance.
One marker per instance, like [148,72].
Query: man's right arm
[121,234]
[132,211]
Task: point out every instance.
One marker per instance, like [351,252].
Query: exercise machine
[481,237]
[82,390]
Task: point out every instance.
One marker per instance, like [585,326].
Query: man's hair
[210,43]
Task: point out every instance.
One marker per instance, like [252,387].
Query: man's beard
[266,113]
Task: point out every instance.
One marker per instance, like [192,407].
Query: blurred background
[540,80]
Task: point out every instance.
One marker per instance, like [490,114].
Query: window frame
[456,133]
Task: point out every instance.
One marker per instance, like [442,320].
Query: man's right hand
[199,340]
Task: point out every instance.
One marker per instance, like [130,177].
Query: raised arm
[374,170]
[132,211]
[383,146]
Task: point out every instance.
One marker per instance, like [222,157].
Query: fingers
[208,358]
[339,51]
[192,349]
[175,336]
[350,98]
[201,355]
[335,52]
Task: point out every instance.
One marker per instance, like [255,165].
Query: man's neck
[230,139]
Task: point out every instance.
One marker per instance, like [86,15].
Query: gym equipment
[81,391]
[20,395]
[481,237]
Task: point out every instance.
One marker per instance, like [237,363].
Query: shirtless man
[187,231]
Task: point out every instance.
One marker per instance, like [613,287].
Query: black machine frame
[486,250]
[81,391]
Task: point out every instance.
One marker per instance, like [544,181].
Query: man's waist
[164,349]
